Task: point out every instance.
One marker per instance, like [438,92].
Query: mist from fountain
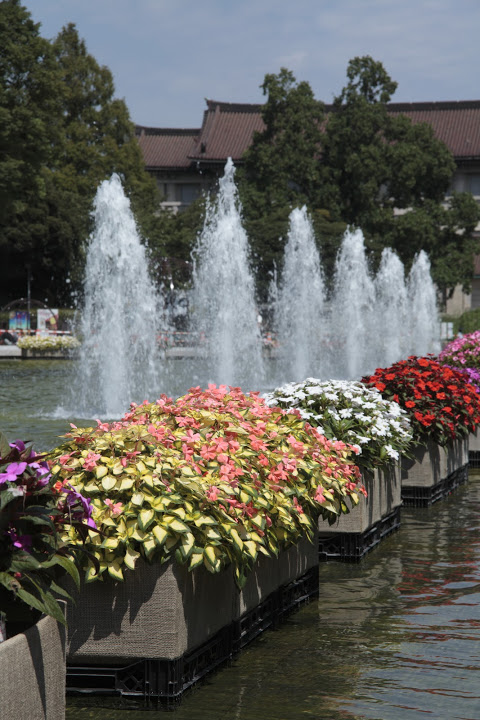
[424,316]
[352,310]
[392,321]
[224,312]
[300,317]
[118,360]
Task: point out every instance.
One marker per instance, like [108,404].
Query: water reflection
[395,637]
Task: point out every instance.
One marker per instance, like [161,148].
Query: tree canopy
[357,163]
[62,133]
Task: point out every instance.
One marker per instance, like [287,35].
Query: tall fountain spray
[299,312]
[424,316]
[352,306]
[119,358]
[223,295]
[391,311]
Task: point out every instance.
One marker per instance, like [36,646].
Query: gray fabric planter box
[32,673]
[427,467]
[373,519]
[474,441]
[165,611]
[434,472]
[383,495]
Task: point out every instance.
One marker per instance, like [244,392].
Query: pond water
[394,637]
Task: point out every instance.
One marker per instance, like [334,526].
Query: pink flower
[116,508]
[90,461]
[212,493]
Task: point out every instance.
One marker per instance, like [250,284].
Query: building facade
[187,162]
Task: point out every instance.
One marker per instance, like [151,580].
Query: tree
[389,176]
[62,133]
[98,140]
[30,121]
[281,169]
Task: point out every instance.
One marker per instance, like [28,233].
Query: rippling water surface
[395,637]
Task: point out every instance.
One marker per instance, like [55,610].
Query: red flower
[409,403]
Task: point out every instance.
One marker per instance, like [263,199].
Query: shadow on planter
[163,611]
[32,673]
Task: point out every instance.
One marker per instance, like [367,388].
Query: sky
[167,56]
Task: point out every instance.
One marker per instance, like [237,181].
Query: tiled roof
[228,128]
[166,147]
[456,123]
[227,131]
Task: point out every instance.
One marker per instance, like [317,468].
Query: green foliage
[281,168]
[172,238]
[468,322]
[62,133]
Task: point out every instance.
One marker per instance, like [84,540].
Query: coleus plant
[214,478]
[349,411]
[33,557]
[441,405]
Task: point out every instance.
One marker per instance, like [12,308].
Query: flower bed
[444,410]
[380,432]
[442,407]
[213,479]
[377,428]
[47,344]
[463,352]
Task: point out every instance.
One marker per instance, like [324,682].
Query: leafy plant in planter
[349,411]
[440,404]
[32,554]
[213,478]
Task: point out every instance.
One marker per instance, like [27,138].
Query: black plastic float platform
[474,459]
[157,682]
[351,547]
[416,496]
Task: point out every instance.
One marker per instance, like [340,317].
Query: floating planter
[209,490]
[32,673]
[464,355]
[444,409]
[378,430]
[48,346]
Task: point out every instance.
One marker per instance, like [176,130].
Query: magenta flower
[22,542]
[12,472]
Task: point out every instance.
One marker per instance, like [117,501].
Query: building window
[186,193]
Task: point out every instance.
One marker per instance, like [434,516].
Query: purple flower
[79,506]
[18,445]
[12,472]
[43,473]
[22,542]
